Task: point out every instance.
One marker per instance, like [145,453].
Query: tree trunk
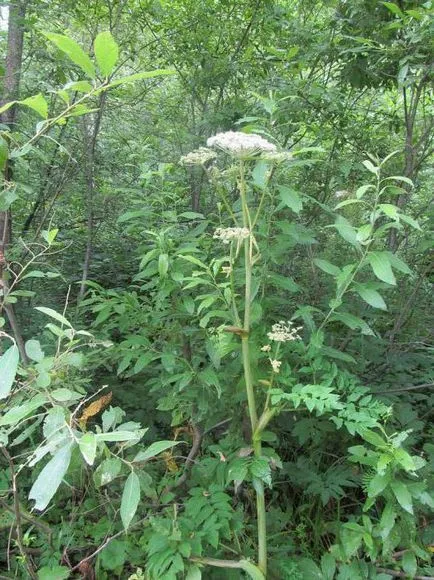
[90,140]
[11,83]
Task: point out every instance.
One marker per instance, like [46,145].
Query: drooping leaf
[371,296]
[53,314]
[403,495]
[381,267]
[95,407]
[4,153]
[87,444]
[8,368]
[154,449]
[106,52]
[73,50]
[15,414]
[130,499]
[50,478]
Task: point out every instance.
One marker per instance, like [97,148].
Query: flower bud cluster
[227,235]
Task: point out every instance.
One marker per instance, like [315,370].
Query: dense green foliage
[216,362]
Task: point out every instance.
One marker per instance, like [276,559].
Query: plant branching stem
[245,345]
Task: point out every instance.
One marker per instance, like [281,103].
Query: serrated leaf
[8,368]
[106,52]
[387,521]
[328,566]
[290,198]
[378,483]
[381,267]
[402,495]
[87,444]
[73,50]
[163,265]
[372,297]
[130,499]
[53,314]
[154,449]
[50,478]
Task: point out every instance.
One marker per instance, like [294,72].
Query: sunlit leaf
[8,367]
[106,52]
[50,478]
[73,50]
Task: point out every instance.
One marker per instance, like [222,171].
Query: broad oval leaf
[34,350]
[8,369]
[372,297]
[381,267]
[50,478]
[106,52]
[130,499]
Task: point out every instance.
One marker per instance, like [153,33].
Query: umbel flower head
[284,332]
[198,156]
[241,145]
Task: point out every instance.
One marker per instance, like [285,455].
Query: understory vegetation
[216,266]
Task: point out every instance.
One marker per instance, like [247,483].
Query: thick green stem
[257,447]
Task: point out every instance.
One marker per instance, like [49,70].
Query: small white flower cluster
[240,144]
[198,156]
[275,365]
[284,332]
[227,235]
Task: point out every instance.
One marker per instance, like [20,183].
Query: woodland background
[97,217]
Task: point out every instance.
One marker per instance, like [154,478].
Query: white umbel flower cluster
[284,332]
[227,235]
[198,156]
[241,144]
[275,365]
